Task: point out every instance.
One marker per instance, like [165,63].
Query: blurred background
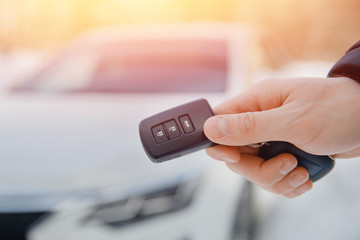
[308,30]
[76,78]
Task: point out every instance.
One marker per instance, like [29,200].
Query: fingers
[349,154]
[247,128]
[229,154]
[263,95]
[264,173]
[307,186]
[292,185]
[278,175]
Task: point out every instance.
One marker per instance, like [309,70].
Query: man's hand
[318,115]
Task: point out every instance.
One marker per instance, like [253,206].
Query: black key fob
[317,166]
[176,132]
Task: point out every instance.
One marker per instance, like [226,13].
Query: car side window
[163,66]
[138,66]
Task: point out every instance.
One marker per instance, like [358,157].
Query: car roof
[163,31]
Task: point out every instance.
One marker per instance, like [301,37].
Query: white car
[71,155]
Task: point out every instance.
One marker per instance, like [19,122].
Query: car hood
[68,143]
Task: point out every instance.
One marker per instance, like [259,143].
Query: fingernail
[226,158]
[218,127]
[303,189]
[286,167]
[297,179]
[220,156]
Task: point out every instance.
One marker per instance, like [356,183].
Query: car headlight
[143,206]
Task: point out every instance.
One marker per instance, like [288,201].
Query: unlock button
[172,129]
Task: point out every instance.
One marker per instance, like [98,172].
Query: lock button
[172,129]
[159,134]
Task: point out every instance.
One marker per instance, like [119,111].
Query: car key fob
[317,166]
[176,132]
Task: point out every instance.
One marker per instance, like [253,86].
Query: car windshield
[138,66]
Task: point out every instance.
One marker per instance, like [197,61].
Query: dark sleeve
[348,65]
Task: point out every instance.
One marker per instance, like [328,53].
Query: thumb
[246,128]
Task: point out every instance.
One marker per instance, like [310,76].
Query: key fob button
[159,134]
[186,124]
[172,129]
